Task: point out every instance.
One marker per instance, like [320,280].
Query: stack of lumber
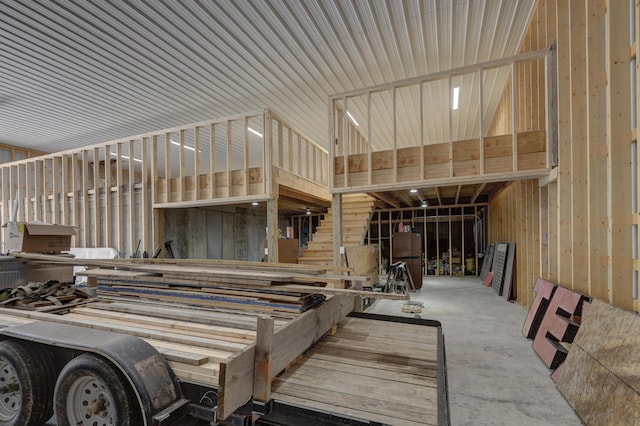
[254,299]
[193,341]
[223,275]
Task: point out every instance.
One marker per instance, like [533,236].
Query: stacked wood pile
[260,287]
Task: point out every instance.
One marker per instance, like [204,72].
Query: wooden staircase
[356,214]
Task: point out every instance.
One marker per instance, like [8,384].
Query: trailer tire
[90,390]
[25,365]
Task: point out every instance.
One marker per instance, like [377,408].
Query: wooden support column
[336,212]
[597,221]
[108,213]
[120,199]
[263,359]
[212,161]
[76,189]
[579,184]
[196,162]
[565,265]
[146,206]
[86,227]
[272,228]
[133,241]
[619,131]
[97,223]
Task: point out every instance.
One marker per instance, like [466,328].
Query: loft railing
[110,190]
[472,124]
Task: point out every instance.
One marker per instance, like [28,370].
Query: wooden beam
[458,193]
[336,211]
[438,195]
[579,185]
[387,198]
[478,192]
[598,238]
[565,265]
[619,194]
[263,359]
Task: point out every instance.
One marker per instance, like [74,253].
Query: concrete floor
[495,377]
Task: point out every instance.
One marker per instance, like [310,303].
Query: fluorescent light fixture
[255,132]
[413,191]
[255,203]
[456,95]
[186,147]
[352,119]
[126,158]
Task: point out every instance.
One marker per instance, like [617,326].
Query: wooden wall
[579,227]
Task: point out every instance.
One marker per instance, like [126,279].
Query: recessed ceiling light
[308,210]
[352,119]
[255,203]
[456,95]
[413,191]
[424,204]
[185,147]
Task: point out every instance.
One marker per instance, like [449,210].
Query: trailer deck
[389,371]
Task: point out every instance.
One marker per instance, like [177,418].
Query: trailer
[118,362]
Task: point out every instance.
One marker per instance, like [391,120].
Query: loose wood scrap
[42,296]
[326,290]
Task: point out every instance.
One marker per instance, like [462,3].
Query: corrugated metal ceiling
[74,73]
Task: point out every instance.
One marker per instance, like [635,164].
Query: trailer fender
[146,370]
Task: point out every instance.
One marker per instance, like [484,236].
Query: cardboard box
[37,237]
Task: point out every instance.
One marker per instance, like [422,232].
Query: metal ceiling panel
[74,73]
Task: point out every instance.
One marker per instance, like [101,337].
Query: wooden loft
[115,192]
[474,126]
[469,125]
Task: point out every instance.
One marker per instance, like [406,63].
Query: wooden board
[487,261]
[499,261]
[359,372]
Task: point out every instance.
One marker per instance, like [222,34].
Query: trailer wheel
[26,385]
[90,391]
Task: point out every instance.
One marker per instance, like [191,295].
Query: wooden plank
[565,268]
[619,194]
[236,382]
[299,334]
[579,174]
[108,213]
[263,360]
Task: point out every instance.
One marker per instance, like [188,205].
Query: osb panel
[601,376]
[364,261]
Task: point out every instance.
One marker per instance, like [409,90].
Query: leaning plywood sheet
[499,260]
[364,261]
[487,260]
[601,375]
[372,370]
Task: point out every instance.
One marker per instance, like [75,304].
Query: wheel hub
[89,401]
[10,395]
